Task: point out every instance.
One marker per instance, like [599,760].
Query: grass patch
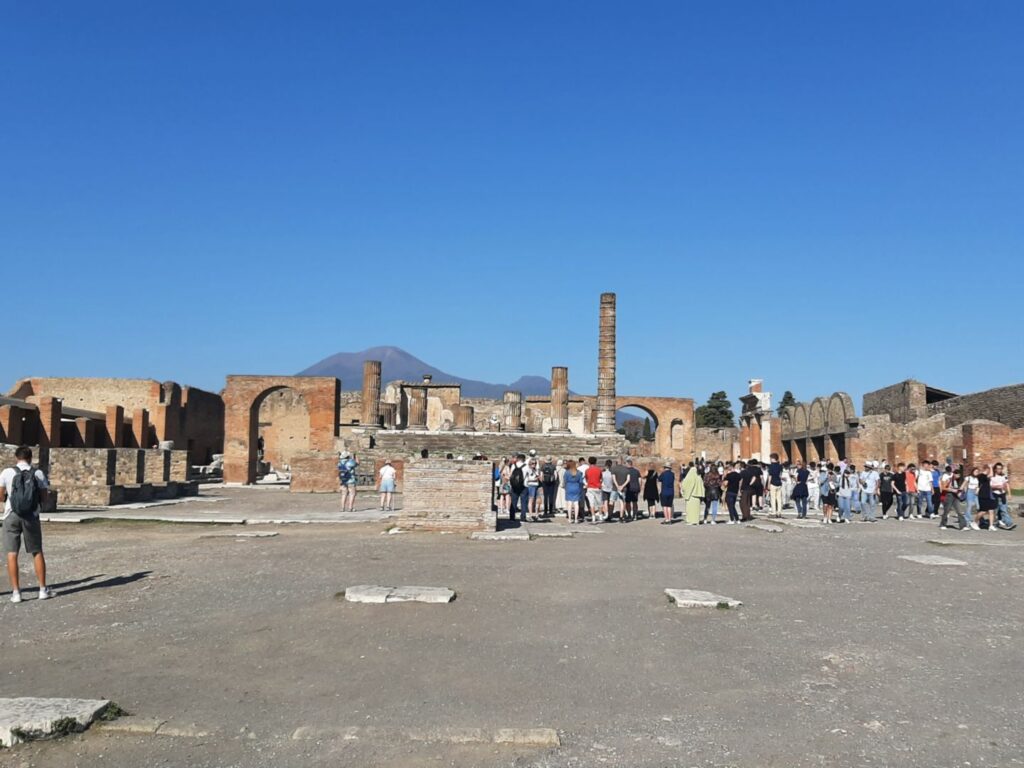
[111,712]
[722,605]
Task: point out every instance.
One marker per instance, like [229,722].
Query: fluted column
[513,411]
[417,408]
[605,421]
[559,399]
[465,418]
[389,415]
[371,394]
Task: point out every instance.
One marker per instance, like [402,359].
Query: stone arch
[281,416]
[799,418]
[840,409]
[786,421]
[816,415]
[673,416]
[243,397]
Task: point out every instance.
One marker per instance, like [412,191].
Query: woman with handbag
[949,493]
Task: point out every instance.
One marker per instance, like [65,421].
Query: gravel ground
[842,654]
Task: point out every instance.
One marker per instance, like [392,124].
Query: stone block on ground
[513,534]
[547,530]
[24,719]
[367,593]
[372,593]
[932,560]
[972,541]
[696,598]
[768,527]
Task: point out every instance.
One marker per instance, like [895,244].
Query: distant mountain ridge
[396,363]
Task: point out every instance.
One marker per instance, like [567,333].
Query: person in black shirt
[885,489]
[899,484]
[732,491]
[750,486]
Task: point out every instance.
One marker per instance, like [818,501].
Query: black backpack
[24,493]
[516,479]
[547,472]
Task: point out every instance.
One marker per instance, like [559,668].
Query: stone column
[389,415]
[417,409]
[371,394]
[559,399]
[465,418]
[513,411]
[114,426]
[10,424]
[49,422]
[605,420]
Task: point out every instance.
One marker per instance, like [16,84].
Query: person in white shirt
[813,489]
[387,486]
[23,491]
[532,477]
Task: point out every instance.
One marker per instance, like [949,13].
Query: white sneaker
[45,593]
[975,527]
[992,529]
[15,597]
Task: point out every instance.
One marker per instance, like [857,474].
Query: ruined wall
[718,443]
[448,496]
[1003,404]
[284,426]
[202,432]
[91,394]
[901,402]
[314,472]
[401,444]
[351,407]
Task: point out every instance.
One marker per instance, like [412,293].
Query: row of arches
[822,416]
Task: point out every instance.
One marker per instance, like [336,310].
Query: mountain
[396,363]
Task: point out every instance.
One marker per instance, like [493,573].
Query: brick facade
[448,496]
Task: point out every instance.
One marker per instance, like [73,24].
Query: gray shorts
[15,527]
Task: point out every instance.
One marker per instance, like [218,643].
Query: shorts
[387,486]
[632,496]
[349,484]
[616,496]
[606,496]
[594,498]
[667,501]
[15,528]
[531,491]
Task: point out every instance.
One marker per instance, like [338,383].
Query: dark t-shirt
[732,482]
[668,483]
[775,473]
[621,473]
[885,482]
[899,479]
[751,479]
[634,479]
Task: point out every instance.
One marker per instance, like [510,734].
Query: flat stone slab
[24,719]
[932,560]
[514,534]
[801,523]
[550,531]
[372,593]
[696,598]
[974,542]
[768,527]
[240,535]
[521,737]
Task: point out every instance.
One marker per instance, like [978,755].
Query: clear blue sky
[824,195]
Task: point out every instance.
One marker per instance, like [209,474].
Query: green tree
[648,432]
[631,429]
[716,413]
[787,400]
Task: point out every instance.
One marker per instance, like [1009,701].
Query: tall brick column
[140,427]
[389,415]
[512,410]
[465,417]
[605,420]
[10,424]
[114,427]
[417,409]
[559,400]
[49,422]
[371,394]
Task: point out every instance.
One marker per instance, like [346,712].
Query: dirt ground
[842,654]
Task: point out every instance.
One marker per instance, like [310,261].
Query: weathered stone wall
[448,496]
[401,444]
[91,394]
[203,428]
[717,443]
[314,472]
[284,426]
[157,466]
[177,466]
[81,467]
[1003,404]
[129,466]
[901,402]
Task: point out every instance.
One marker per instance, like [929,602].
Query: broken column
[513,411]
[371,394]
[604,422]
[559,399]
[417,408]
[49,422]
[388,415]
[465,418]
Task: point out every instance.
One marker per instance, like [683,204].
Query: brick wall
[128,466]
[716,442]
[447,496]
[401,444]
[1004,404]
[203,428]
[314,472]
[91,394]
[284,425]
[902,402]
[156,465]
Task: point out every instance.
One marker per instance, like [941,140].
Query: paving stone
[527,737]
[550,531]
[420,595]
[132,725]
[23,719]
[514,534]
[368,593]
[801,523]
[696,598]
[974,542]
[240,535]
[932,560]
[765,527]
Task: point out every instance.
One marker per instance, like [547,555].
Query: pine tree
[787,400]
[648,432]
[716,413]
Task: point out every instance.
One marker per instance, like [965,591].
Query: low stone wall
[82,467]
[314,472]
[157,466]
[178,466]
[128,466]
[442,495]
[402,444]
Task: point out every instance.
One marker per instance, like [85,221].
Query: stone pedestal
[559,400]
[371,394]
[604,422]
[513,412]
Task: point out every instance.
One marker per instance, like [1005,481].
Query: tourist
[800,490]
[855,479]
[23,491]
[733,478]
[651,491]
[593,476]
[870,482]
[886,492]
[970,488]
[749,485]
[572,485]
[936,486]
[949,489]
[607,484]
[986,501]
[774,482]
[620,479]
[549,484]
[847,487]
[517,485]
[259,448]
[813,489]
[712,494]
[691,489]
[347,464]
[1000,485]
[387,486]
[924,491]
[532,477]
[902,494]
[912,495]
[632,490]
[560,493]
[829,500]
[505,488]
[667,483]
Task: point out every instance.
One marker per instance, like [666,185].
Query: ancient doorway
[281,416]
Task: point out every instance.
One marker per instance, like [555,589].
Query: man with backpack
[549,482]
[517,482]
[347,464]
[23,490]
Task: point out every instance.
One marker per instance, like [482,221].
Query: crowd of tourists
[529,487]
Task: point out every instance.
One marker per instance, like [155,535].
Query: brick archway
[666,411]
[242,398]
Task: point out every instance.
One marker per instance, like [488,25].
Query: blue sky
[824,195]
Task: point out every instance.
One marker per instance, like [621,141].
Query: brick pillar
[605,420]
[10,424]
[512,410]
[417,409]
[389,415]
[559,399]
[745,438]
[49,422]
[755,439]
[85,433]
[114,427]
[140,427]
[465,418]
[371,394]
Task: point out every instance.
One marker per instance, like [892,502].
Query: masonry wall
[91,394]
[314,472]
[82,467]
[402,444]
[1003,404]
[448,496]
[716,442]
[203,427]
[901,402]
[284,426]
